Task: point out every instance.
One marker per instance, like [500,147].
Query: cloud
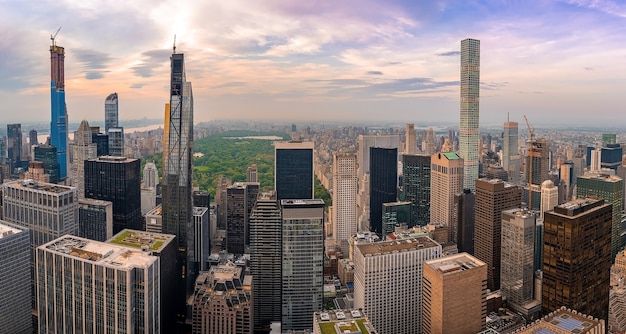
[588,68]
[493,85]
[230,84]
[94,62]
[151,59]
[374,73]
[605,6]
[449,54]
[137,85]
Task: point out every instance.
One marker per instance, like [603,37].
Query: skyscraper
[411,139]
[454,295]
[48,155]
[58,122]
[446,180]
[293,170]
[110,112]
[492,197]
[468,128]
[150,175]
[344,198]
[416,187]
[538,162]
[383,183]
[265,261]
[95,219]
[605,184]
[510,153]
[577,265]
[549,197]
[82,149]
[14,146]
[116,179]
[464,205]
[236,216]
[176,186]
[116,141]
[302,262]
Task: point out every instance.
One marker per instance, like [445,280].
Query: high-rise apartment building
[517,260]
[344,198]
[577,257]
[492,197]
[222,301]
[446,180]
[538,162]
[252,174]
[116,141]
[95,219]
[605,184]
[510,152]
[15,296]
[14,146]
[410,145]
[116,179]
[265,261]
[150,175]
[302,262]
[114,288]
[82,149]
[176,184]
[236,214]
[388,282]
[202,230]
[383,183]
[468,128]
[293,170]
[58,122]
[454,290]
[549,197]
[110,112]
[48,155]
[416,187]
[464,210]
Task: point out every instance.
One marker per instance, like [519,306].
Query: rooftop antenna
[507,116]
[174,47]
[53,36]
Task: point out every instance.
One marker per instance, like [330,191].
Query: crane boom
[53,36]
[531,133]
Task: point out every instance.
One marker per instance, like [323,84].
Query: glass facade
[110,112]
[468,128]
[293,171]
[383,183]
[416,187]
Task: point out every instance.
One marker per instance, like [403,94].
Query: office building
[368,141]
[82,149]
[101,140]
[410,145]
[252,193]
[344,198]
[510,152]
[95,219]
[539,162]
[464,207]
[236,217]
[148,199]
[162,246]
[265,260]
[342,321]
[617,294]
[383,183]
[416,187]
[549,197]
[576,269]
[32,138]
[605,184]
[201,199]
[565,321]
[110,112]
[201,232]
[114,288]
[446,180]
[14,146]
[611,156]
[222,301]
[517,260]
[15,299]
[492,197]
[48,155]
[59,120]
[116,179]
[388,282]
[454,290]
[429,146]
[252,174]
[468,128]
[154,220]
[150,175]
[116,142]
[293,168]
[567,178]
[36,172]
[395,214]
[302,262]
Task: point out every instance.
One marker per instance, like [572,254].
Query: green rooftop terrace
[140,239]
[353,326]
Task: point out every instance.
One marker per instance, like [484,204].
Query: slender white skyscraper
[468,128]
[344,198]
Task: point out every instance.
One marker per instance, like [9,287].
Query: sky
[558,62]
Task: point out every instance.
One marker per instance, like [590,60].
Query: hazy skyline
[362,60]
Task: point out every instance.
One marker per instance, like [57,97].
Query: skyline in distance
[555,61]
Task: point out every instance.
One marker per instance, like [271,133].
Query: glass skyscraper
[110,112]
[468,128]
[383,183]
[293,170]
[58,122]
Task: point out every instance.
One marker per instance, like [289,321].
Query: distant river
[256,137]
[44,137]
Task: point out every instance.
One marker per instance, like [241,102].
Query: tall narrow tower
[468,128]
[110,112]
[176,182]
[58,122]
[344,198]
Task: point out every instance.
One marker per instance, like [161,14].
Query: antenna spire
[174,46]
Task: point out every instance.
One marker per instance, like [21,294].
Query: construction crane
[53,36]
[531,133]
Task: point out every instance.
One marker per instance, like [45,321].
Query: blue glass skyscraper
[58,122]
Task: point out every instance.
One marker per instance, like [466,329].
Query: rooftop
[343,321]
[602,176]
[578,206]
[451,156]
[291,145]
[383,247]
[199,210]
[157,211]
[142,240]
[565,321]
[105,254]
[454,263]
[297,202]
[7,230]
[43,186]
[91,201]
[108,158]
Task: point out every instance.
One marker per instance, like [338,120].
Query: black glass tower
[14,145]
[293,170]
[383,183]
[416,187]
[117,180]
[176,187]
[48,155]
